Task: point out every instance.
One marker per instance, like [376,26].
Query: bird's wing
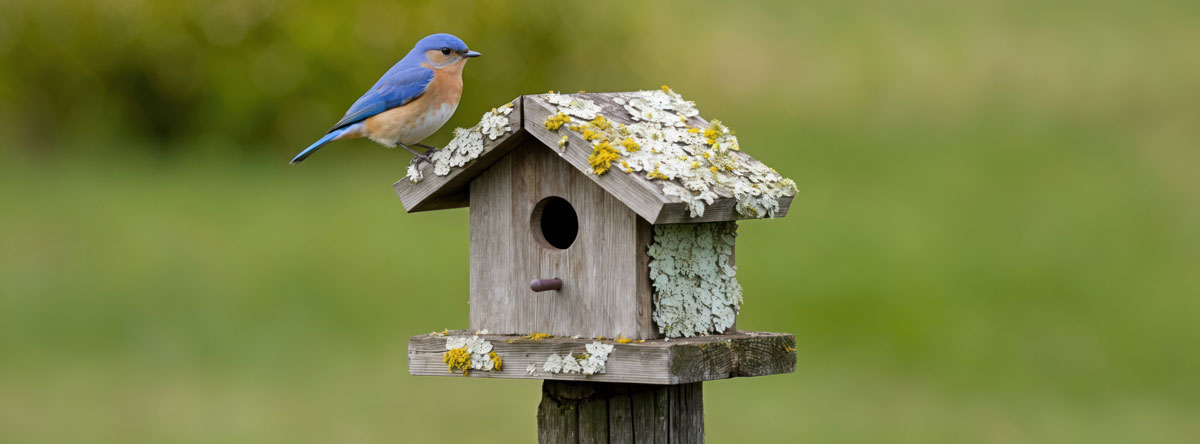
[397,87]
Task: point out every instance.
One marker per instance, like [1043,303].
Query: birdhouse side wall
[604,272]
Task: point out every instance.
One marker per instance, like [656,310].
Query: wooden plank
[635,413]
[558,414]
[450,191]
[643,197]
[593,420]
[723,209]
[605,271]
[686,413]
[656,361]
[620,419]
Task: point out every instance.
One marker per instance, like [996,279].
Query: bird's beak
[471,54]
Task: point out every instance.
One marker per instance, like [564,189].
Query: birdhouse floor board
[655,361]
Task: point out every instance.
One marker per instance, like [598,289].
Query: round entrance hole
[554,223]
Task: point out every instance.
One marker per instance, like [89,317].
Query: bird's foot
[418,158]
[429,148]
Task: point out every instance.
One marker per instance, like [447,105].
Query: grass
[996,238]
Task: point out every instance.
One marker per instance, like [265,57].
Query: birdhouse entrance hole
[554,223]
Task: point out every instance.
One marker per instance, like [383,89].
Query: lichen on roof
[698,164]
[467,143]
[695,288]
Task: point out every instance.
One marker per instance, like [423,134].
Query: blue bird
[410,102]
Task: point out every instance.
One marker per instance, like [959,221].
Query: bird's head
[442,50]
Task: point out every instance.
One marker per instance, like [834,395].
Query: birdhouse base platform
[653,361]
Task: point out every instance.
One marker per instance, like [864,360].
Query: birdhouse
[602,231]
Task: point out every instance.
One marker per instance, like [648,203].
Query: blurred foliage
[996,239]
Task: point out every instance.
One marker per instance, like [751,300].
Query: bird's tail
[318,144]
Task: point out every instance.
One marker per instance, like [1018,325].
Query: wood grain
[605,271]
[450,191]
[570,412]
[642,195]
[657,361]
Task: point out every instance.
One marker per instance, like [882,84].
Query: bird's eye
[445,51]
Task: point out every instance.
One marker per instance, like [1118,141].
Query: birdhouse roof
[649,149]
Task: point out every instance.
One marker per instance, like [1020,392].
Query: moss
[457,359]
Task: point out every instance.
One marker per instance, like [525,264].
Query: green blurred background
[996,238]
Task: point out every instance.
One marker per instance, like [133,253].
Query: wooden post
[591,412]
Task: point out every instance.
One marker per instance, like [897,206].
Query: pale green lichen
[666,140]
[467,143]
[470,353]
[695,288]
[589,363]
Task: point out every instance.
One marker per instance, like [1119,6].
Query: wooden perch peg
[546,284]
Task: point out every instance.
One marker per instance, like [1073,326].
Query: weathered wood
[656,361]
[642,195]
[570,412]
[450,191]
[604,272]
[593,420]
[620,419]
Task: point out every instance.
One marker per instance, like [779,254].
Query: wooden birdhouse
[602,237]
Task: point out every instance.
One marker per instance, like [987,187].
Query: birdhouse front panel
[534,216]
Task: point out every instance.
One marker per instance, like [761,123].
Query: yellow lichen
[553,123]
[603,155]
[630,145]
[590,135]
[497,362]
[694,130]
[639,341]
[535,336]
[666,89]
[695,165]
[597,337]
[621,339]
[562,142]
[714,169]
[656,174]
[711,134]
[600,122]
[457,359]
[706,154]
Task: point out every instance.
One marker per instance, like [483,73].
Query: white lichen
[589,363]
[531,370]
[572,106]
[695,288]
[597,356]
[480,350]
[467,143]
[667,142]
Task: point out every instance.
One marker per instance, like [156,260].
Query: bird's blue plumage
[407,80]
[400,85]
[317,145]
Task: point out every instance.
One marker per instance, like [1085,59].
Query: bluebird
[410,102]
